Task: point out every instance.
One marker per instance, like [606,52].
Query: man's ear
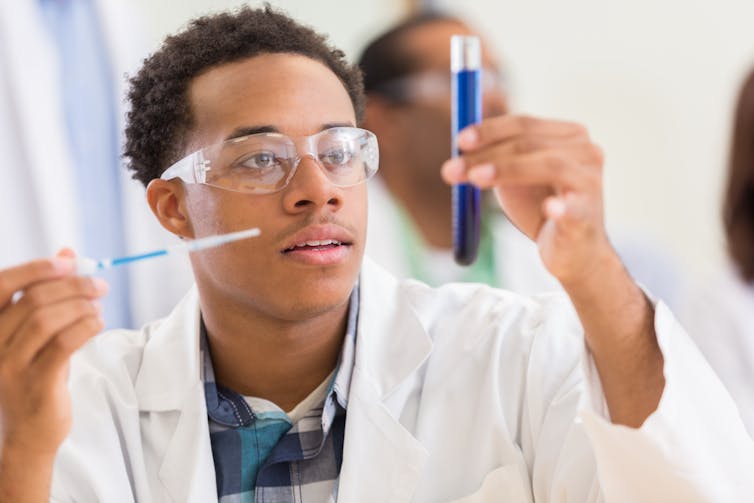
[167,199]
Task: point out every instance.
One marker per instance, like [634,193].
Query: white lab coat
[38,212]
[719,317]
[461,393]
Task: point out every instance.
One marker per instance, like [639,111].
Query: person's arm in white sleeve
[548,178]
[46,314]
[693,447]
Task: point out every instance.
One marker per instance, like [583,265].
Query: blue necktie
[89,109]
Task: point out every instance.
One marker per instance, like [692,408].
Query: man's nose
[310,188]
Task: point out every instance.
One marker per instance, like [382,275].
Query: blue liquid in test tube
[466,78]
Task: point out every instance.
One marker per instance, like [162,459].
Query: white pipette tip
[87,266]
[221,239]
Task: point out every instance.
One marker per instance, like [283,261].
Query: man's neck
[280,361]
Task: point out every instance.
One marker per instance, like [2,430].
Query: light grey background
[654,81]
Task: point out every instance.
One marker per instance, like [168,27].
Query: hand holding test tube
[88,266]
[466,106]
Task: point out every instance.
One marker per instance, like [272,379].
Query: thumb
[66,253]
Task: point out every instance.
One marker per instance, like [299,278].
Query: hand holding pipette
[88,266]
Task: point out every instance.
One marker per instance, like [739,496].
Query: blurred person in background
[406,77]
[407,80]
[62,66]
[720,316]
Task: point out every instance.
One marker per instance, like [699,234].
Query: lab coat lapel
[188,471]
[382,461]
[170,393]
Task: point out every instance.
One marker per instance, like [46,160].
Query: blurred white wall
[348,23]
[654,81]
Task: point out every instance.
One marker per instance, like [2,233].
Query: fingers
[22,276]
[47,293]
[506,127]
[562,169]
[516,150]
[554,208]
[573,215]
[568,208]
[579,147]
[66,252]
[44,325]
[50,300]
[58,351]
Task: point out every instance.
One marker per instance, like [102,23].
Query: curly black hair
[160,114]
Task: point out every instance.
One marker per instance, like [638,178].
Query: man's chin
[309,308]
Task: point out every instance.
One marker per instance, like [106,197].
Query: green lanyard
[483,270]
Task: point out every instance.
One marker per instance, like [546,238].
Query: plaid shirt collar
[228,408]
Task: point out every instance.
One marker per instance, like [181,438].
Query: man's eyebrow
[336,124]
[247,130]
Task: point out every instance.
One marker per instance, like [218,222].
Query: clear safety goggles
[263,163]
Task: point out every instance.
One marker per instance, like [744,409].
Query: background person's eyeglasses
[433,85]
[263,163]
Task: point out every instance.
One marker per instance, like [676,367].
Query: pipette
[88,266]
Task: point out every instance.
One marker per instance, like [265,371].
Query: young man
[296,372]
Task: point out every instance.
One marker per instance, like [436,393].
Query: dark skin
[276,321]
[282,341]
[415,136]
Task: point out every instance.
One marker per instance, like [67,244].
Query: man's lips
[318,239]
[322,244]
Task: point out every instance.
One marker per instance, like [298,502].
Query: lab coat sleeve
[92,464]
[553,440]
[692,448]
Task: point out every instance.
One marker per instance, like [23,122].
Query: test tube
[466,109]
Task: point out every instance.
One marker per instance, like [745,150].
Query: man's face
[426,120]
[276,274]
[429,48]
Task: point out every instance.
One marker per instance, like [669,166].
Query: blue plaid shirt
[260,456]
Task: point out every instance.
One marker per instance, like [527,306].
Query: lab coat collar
[384,354]
[169,385]
[382,461]
[170,361]
[187,469]
[391,346]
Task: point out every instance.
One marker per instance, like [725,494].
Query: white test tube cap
[465,53]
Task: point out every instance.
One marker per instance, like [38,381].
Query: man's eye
[260,160]
[337,157]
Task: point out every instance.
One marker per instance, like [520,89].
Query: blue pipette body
[89,266]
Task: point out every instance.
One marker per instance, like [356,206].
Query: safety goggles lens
[266,162]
